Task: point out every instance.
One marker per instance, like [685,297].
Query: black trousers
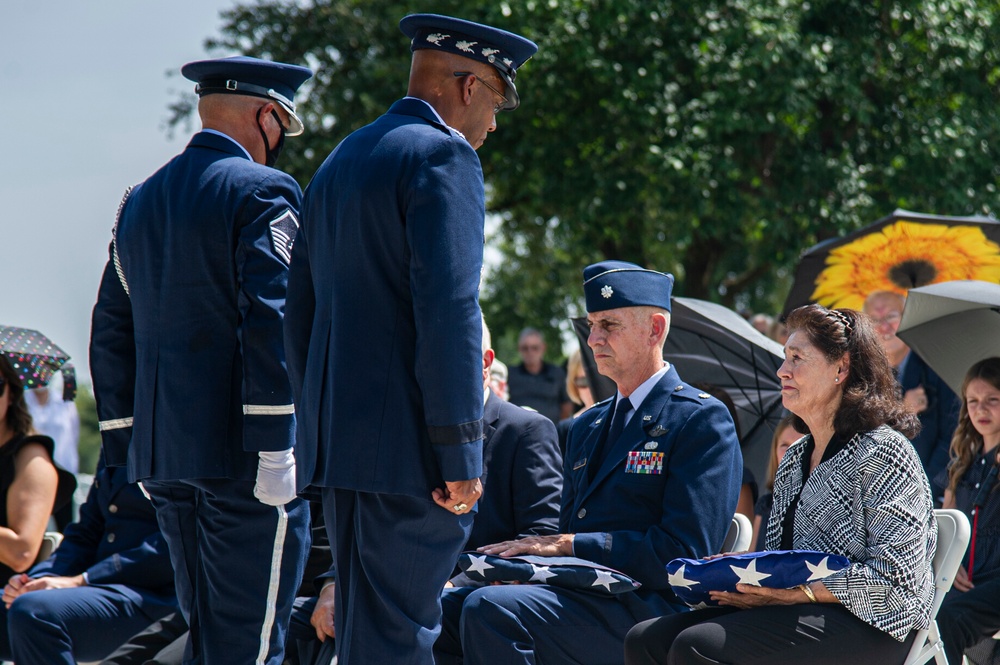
[813,634]
[968,617]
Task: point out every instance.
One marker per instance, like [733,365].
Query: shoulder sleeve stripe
[268,409]
[117,423]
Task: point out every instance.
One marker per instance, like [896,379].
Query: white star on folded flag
[477,564]
[818,571]
[677,579]
[604,579]
[749,575]
[540,574]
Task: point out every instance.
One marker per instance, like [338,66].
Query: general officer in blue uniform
[109,578]
[187,357]
[382,331]
[649,475]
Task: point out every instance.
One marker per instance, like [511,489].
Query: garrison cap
[243,75]
[614,284]
[504,50]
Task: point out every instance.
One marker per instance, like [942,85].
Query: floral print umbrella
[35,358]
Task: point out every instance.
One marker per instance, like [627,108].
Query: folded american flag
[566,572]
[692,579]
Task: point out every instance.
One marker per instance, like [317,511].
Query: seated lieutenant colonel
[188,364]
[650,475]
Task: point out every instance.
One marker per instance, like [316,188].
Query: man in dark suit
[110,577]
[187,357]
[650,475]
[383,337]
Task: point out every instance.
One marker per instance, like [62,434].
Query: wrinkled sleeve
[537,482]
[262,258]
[445,214]
[113,363]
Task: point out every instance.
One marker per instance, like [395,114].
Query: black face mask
[271,155]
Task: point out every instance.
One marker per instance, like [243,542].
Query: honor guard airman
[187,357]
[382,333]
[650,475]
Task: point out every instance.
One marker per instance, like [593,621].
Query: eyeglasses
[530,347]
[496,107]
[581,382]
[891,318]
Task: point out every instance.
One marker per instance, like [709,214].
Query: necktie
[622,409]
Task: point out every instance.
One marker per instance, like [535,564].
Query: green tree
[713,139]
[90,435]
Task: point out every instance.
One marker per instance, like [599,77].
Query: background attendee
[57,418]
[579,392]
[187,358]
[924,392]
[785,435]
[853,487]
[971,610]
[29,482]
[498,380]
[383,337]
[634,467]
[536,383]
[110,577]
[762,323]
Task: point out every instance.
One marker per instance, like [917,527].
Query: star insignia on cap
[465,46]
[477,564]
[677,579]
[604,579]
[749,575]
[436,38]
[818,571]
[607,291]
[540,574]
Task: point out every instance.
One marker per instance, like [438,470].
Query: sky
[85,93]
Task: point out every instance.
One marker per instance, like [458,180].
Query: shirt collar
[227,136]
[639,394]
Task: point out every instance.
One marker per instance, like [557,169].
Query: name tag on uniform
[644,461]
[579,465]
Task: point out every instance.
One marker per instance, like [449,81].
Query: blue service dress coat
[382,324]
[522,475]
[638,522]
[188,365]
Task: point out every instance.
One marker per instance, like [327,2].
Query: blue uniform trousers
[237,565]
[56,626]
[394,554]
[532,623]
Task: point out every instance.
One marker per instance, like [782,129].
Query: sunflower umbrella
[35,358]
[900,252]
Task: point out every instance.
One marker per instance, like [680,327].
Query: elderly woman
[854,487]
[28,478]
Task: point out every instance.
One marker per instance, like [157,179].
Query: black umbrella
[711,344]
[897,253]
[35,358]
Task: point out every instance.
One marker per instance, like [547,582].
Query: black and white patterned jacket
[871,503]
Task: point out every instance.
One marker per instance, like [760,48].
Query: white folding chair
[952,541]
[50,541]
[740,535]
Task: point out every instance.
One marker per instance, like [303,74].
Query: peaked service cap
[243,75]
[614,284]
[504,50]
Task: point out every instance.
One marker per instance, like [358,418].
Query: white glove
[275,477]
